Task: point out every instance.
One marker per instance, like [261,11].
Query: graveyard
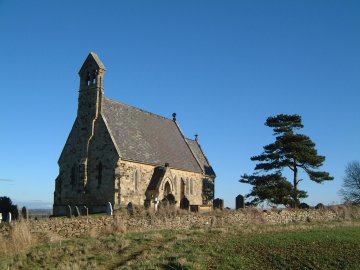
[173,238]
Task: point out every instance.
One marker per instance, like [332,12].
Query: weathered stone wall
[75,227]
[95,186]
[102,165]
[135,179]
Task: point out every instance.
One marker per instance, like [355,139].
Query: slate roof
[199,154]
[146,137]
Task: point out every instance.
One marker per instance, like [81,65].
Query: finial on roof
[196,137]
[174,116]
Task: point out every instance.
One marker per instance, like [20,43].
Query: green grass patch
[303,246]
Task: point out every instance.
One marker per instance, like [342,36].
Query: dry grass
[20,238]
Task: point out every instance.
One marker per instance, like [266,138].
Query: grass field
[334,245]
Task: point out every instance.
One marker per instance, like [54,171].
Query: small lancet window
[94,77]
[191,186]
[99,171]
[88,79]
[73,175]
[136,180]
[175,183]
[187,186]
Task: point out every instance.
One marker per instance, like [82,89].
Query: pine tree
[290,150]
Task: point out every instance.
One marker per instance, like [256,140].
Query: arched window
[73,175]
[99,171]
[191,186]
[136,179]
[88,78]
[187,186]
[94,76]
[167,189]
[182,188]
[175,183]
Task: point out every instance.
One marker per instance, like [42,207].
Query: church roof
[200,156]
[146,137]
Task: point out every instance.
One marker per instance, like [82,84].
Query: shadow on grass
[173,264]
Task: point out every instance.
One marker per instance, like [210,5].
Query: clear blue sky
[222,66]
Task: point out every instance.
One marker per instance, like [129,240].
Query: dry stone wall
[75,227]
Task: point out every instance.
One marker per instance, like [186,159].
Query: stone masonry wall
[135,179]
[75,227]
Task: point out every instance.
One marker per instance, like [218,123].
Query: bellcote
[92,72]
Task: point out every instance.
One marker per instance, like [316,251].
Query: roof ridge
[141,110]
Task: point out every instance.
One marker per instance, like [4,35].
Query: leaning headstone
[76,211]
[8,218]
[85,210]
[68,211]
[240,202]
[130,208]
[24,213]
[109,210]
[218,204]
[184,203]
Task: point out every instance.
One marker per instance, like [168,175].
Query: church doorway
[167,189]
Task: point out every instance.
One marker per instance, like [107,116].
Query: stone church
[120,154]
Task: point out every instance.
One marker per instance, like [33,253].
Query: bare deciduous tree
[350,190]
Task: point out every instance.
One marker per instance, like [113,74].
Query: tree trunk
[295,196]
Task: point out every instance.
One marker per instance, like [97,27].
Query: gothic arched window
[99,172]
[136,180]
[187,186]
[175,183]
[73,175]
[167,189]
[191,186]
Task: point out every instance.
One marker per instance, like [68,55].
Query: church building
[121,154]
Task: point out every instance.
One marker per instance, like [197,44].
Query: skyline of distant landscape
[223,67]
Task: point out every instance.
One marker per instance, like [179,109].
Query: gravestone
[156,203]
[15,213]
[184,203]
[218,204]
[85,211]
[130,208]
[24,213]
[171,199]
[164,202]
[147,203]
[68,211]
[239,202]
[8,218]
[76,211]
[304,206]
[320,206]
[109,210]
[0,217]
